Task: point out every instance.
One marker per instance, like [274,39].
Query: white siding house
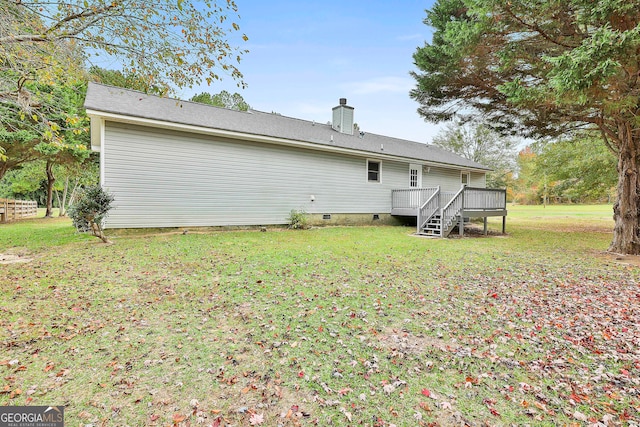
[172,163]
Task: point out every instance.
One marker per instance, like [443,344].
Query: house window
[415,175]
[373,171]
[413,178]
[465,179]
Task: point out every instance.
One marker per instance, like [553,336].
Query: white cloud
[381,84]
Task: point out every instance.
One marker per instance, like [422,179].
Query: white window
[374,168]
[465,178]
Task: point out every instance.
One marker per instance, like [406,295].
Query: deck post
[461,226]
[485,225]
[504,224]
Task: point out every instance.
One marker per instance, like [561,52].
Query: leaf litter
[224,331]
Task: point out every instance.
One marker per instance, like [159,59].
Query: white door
[415,183]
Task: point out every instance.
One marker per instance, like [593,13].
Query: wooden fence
[11,210]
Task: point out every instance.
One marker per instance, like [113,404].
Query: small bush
[298,220]
[90,210]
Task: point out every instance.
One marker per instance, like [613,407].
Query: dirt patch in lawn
[632,260]
[14,258]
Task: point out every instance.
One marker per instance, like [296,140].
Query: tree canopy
[539,68]
[223,99]
[559,171]
[168,44]
[477,142]
[124,80]
[574,176]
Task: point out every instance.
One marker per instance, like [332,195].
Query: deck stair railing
[451,212]
[428,209]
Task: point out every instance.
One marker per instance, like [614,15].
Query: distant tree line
[547,171]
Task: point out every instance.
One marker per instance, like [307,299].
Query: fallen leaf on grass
[344,391]
[346,413]
[293,410]
[256,419]
[424,406]
[580,416]
[178,418]
[62,372]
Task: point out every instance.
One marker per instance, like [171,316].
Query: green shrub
[298,219]
[90,210]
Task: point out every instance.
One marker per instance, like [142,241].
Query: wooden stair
[438,213]
[434,227]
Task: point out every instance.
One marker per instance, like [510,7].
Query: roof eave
[162,124]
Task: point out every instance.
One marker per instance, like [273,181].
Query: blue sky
[305,55]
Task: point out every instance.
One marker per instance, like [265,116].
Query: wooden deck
[438,212]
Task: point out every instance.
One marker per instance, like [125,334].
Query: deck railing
[474,198]
[11,210]
[484,199]
[411,198]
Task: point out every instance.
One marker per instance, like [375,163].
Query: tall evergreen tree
[541,68]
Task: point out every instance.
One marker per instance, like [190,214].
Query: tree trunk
[97,231]
[62,203]
[74,192]
[4,168]
[626,209]
[51,179]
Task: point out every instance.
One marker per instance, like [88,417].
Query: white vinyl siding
[164,178]
[447,179]
[478,180]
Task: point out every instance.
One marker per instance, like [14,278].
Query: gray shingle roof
[109,99]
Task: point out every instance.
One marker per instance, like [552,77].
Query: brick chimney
[343,118]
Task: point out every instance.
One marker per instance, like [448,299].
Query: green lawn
[331,326]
